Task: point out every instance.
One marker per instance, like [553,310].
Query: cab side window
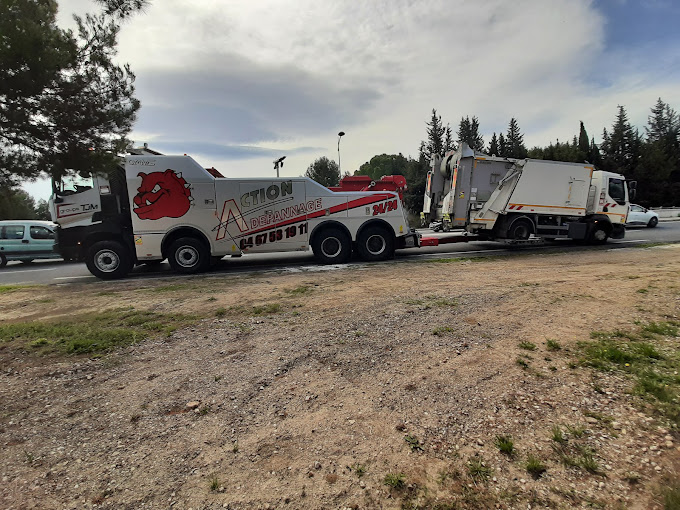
[617,191]
[12,232]
[41,233]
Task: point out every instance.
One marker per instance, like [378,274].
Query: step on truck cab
[512,200]
[169,207]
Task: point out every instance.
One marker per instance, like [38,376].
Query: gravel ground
[402,373]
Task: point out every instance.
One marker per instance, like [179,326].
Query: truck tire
[521,229]
[332,246]
[108,260]
[188,255]
[3,260]
[598,235]
[375,243]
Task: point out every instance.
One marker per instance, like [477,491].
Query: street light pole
[278,163]
[340,135]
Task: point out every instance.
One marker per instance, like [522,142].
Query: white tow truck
[506,199]
[158,206]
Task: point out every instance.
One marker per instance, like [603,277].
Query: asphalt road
[59,272]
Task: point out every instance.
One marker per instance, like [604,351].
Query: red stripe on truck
[353,204]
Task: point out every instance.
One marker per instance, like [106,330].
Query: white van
[26,240]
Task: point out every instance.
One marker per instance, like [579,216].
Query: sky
[236,84]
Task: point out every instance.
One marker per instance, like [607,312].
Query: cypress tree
[494,148]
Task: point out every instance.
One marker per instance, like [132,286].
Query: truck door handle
[25,241]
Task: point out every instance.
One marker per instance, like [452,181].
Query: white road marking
[34,270]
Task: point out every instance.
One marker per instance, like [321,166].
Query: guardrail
[666,212]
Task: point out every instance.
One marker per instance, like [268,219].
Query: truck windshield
[72,184]
[617,190]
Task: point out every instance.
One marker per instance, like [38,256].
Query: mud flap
[618,231]
[578,230]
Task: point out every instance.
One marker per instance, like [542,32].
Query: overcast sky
[237,83]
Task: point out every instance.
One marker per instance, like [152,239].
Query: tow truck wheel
[375,243]
[332,246]
[188,255]
[108,260]
[3,260]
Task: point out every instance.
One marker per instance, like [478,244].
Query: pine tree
[502,146]
[515,141]
[620,146]
[468,132]
[662,124]
[494,148]
[658,169]
[594,153]
[62,94]
[435,136]
[448,140]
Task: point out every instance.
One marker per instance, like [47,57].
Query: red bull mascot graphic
[162,195]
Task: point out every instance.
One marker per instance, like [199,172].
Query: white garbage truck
[158,207]
[508,199]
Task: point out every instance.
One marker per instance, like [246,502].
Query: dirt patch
[376,386]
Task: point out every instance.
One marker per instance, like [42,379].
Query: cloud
[226,152]
[244,80]
[231,99]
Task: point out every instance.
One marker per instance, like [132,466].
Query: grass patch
[91,333]
[576,431]
[6,289]
[647,355]
[268,309]
[478,470]
[173,287]
[396,481]
[557,435]
[527,346]
[429,301]
[413,443]
[445,302]
[214,484]
[521,363]
[298,291]
[535,467]
[505,445]
[588,462]
[661,328]
[552,345]
[220,312]
[671,496]
[359,470]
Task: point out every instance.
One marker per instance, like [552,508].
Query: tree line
[652,159]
